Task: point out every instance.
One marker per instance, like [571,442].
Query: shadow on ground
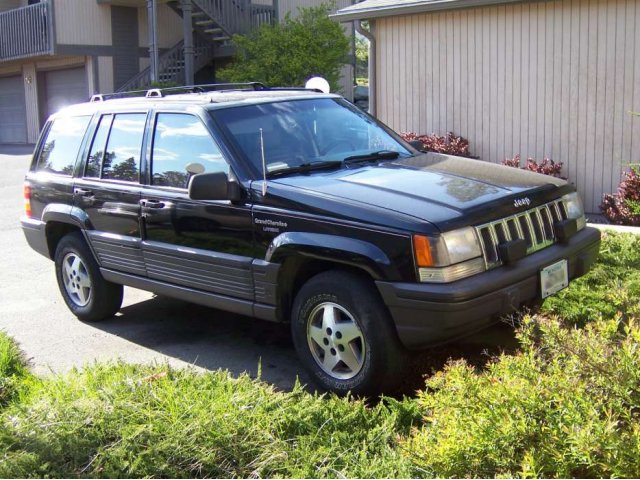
[212,339]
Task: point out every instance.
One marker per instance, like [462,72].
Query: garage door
[13,115]
[64,87]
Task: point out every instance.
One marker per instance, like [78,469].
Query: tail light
[27,199]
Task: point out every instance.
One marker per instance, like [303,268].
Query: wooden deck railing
[26,32]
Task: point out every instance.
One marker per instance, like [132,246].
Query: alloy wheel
[77,281]
[335,340]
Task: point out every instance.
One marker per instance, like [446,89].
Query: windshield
[303,132]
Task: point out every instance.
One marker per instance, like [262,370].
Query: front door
[205,245]
[109,191]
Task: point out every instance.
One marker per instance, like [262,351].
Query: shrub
[566,406]
[12,369]
[450,144]
[623,207]
[611,286]
[134,421]
[546,166]
[288,53]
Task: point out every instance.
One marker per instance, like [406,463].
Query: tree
[289,53]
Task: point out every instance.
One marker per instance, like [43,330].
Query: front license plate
[554,278]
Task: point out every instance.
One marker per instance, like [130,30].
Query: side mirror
[213,186]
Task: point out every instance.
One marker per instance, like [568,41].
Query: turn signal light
[27,199]
[422,250]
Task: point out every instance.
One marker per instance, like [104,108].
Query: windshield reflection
[299,132]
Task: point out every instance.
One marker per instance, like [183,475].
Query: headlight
[574,208]
[448,257]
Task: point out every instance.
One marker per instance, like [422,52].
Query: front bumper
[429,314]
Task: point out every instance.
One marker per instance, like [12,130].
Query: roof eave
[422,7]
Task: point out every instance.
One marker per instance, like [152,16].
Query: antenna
[264,166]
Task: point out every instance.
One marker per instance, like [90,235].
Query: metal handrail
[26,32]
[232,16]
[171,65]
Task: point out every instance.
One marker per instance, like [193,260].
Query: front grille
[534,226]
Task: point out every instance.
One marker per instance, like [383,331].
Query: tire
[87,294]
[344,336]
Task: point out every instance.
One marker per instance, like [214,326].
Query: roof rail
[101,97]
[161,92]
[220,87]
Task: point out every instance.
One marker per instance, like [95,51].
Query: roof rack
[210,87]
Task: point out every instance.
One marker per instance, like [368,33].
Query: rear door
[206,245]
[109,191]
[52,175]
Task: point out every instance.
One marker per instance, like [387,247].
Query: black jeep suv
[294,206]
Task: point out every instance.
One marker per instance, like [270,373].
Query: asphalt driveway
[149,328]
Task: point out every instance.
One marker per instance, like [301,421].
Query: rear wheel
[87,294]
[344,335]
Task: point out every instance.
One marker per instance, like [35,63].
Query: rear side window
[60,149]
[94,163]
[182,147]
[121,160]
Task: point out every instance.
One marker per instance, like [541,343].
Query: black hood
[439,189]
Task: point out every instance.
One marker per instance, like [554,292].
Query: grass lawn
[565,404]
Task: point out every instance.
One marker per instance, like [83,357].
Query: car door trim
[208,299]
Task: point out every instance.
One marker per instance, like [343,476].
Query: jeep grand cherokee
[294,206]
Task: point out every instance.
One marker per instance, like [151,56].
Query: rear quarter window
[60,148]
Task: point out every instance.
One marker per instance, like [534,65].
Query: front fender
[334,248]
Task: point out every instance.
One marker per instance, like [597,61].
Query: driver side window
[182,147]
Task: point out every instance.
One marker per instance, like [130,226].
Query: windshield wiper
[372,157]
[305,167]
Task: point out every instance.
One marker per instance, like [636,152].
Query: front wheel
[344,336]
[87,294]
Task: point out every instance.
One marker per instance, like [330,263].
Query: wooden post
[187,29]
[153,39]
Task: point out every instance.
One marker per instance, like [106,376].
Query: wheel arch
[303,255]
[60,220]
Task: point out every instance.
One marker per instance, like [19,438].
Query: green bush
[612,285]
[289,53]
[131,421]
[568,405]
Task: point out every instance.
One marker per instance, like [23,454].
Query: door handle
[152,204]
[81,192]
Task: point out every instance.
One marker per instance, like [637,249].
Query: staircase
[214,23]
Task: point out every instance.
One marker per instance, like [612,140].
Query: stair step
[213,31]
[220,39]
[204,23]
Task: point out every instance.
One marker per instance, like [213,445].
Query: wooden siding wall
[82,22]
[11,4]
[544,79]
[169,27]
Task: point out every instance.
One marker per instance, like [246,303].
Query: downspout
[372,63]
